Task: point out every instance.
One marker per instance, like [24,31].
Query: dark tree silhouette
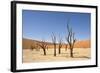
[59,44]
[71,40]
[43,45]
[54,42]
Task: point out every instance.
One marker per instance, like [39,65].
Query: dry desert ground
[30,56]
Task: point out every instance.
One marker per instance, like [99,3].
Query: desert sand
[30,56]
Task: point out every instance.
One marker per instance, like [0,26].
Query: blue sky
[39,25]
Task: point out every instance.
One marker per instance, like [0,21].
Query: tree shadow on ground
[69,53]
[82,57]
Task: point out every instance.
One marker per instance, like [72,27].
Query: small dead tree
[71,40]
[66,46]
[37,47]
[43,45]
[54,42]
[59,44]
[32,47]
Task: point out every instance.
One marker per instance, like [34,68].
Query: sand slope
[79,44]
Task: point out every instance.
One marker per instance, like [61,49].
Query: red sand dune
[83,44]
[27,43]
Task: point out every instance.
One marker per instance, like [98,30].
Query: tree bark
[59,51]
[54,49]
[71,52]
[44,51]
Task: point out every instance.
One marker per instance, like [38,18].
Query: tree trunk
[44,51]
[55,50]
[65,47]
[71,52]
[59,50]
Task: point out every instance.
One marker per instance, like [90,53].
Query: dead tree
[59,44]
[71,40]
[54,42]
[32,47]
[66,46]
[43,45]
[37,47]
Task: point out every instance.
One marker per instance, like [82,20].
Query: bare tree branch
[70,39]
[60,44]
[43,45]
[54,42]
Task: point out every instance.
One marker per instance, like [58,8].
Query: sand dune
[79,44]
[83,44]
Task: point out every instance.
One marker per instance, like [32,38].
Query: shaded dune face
[27,43]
